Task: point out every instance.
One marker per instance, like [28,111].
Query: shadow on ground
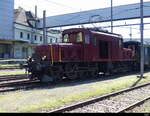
[67,83]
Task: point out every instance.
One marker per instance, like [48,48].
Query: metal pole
[130,33]
[35,16]
[112,16]
[142,47]
[44,27]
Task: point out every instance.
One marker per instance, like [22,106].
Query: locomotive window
[120,43]
[79,37]
[73,37]
[94,41]
[66,38]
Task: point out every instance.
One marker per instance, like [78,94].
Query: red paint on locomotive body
[82,45]
[61,51]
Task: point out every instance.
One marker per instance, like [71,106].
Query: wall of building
[6,19]
[24,43]
[22,50]
[28,31]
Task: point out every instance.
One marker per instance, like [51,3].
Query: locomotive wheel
[56,73]
[72,75]
[57,76]
[93,74]
[71,72]
[86,75]
[81,75]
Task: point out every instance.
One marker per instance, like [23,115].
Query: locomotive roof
[89,30]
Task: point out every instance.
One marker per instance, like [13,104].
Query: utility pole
[112,16]
[44,27]
[35,16]
[142,47]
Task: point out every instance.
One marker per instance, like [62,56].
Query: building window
[51,41]
[40,38]
[56,40]
[35,37]
[21,34]
[28,36]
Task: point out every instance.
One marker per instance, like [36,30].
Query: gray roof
[23,17]
[99,15]
[20,16]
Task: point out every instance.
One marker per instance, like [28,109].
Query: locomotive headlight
[44,57]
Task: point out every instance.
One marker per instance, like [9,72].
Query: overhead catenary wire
[85,13]
[90,14]
[81,17]
[60,4]
[29,6]
[67,6]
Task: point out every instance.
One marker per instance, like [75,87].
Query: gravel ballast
[144,108]
[115,103]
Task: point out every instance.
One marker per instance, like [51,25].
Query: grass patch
[9,65]
[11,72]
[38,100]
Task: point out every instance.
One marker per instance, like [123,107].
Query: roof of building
[23,17]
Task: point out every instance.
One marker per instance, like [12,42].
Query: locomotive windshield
[73,38]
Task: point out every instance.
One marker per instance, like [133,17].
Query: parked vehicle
[135,46]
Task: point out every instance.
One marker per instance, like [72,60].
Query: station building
[26,36]
[18,35]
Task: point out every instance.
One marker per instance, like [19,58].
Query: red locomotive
[83,53]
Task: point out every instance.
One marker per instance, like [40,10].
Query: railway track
[114,102]
[9,68]
[23,86]
[12,77]
[134,105]
[16,82]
